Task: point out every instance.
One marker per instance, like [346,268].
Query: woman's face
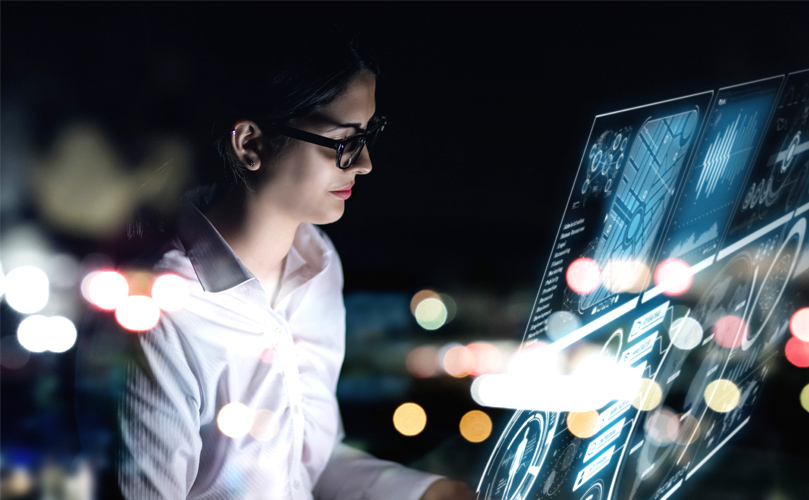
[303,182]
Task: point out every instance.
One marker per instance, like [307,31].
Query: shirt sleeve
[158,418]
[355,475]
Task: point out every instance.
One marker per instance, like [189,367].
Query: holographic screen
[666,298]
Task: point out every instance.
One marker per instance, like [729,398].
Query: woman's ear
[246,141]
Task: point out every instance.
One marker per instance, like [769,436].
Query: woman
[233,396]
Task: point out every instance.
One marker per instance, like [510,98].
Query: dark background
[489,107]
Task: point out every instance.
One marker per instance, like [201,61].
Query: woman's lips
[344,194]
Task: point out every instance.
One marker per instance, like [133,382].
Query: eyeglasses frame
[337,144]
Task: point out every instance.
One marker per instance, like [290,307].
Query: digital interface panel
[661,184]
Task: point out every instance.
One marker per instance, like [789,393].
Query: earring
[232,132]
[252,163]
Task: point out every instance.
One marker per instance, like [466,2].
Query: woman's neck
[259,235]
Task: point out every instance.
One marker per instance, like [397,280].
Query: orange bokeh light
[674,276]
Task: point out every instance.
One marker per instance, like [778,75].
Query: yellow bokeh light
[419,296]
[722,395]
[409,419]
[805,397]
[649,395]
[583,424]
[265,425]
[625,276]
[476,426]
[234,420]
[431,313]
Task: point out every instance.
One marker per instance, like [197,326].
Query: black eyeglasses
[348,149]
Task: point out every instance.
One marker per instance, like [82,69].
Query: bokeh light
[32,333]
[421,295]
[673,276]
[450,304]
[625,276]
[27,289]
[234,420]
[170,292]
[409,419]
[487,358]
[61,335]
[660,426]
[649,395]
[422,362]
[265,425]
[729,331]
[458,361]
[431,313]
[138,313]
[106,289]
[805,397]
[685,333]
[797,352]
[684,430]
[799,324]
[476,426]
[722,395]
[562,323]
[583,276]
[583,424]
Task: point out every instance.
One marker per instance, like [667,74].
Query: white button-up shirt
[228,346]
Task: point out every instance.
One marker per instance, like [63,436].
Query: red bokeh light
[797,352]
[729,331]
[583,276]
[674,276]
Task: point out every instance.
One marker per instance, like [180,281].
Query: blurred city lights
[722,395]
[583,276]
[797,352]
[583,424]
[12,355]
[487,358]
[684,430]
[673,276]
[625,276]
[422,362]
[138,313]
[431,313]
[562,323]
[421,295]
[798,324]
[32,333]
[685,333]
[475,426]
[62,334]
[234,420]
[409,419]
[805,397]
[458,361]
[170,292]
[264,426]
[449,302]
[106,289]
[729,331]
[40,333]
[661,426]
[27,289]
[649,395]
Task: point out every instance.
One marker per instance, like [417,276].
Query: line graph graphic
[723,162]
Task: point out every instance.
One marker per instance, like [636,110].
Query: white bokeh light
[234,420]
[32,333]
[107,289]
[27,289]
[62,334]
[138,313]
[431,313]
[171,292]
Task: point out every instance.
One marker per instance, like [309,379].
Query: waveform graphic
[714,168]
[694,241]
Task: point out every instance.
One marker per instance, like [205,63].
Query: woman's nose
[363,164]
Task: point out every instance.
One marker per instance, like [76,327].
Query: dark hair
[296,75]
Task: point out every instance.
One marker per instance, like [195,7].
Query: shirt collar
[217,266]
